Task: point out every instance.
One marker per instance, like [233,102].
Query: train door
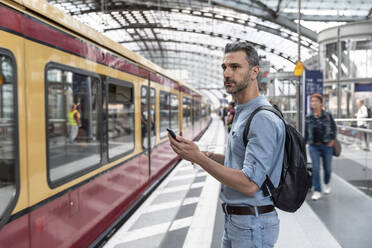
[8,186]
[148,124]
[13,153]
[8,156]
[187,117]
[193,115]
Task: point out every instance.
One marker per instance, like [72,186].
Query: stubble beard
[240,86]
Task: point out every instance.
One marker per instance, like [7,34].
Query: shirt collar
[323,113]
[250,103]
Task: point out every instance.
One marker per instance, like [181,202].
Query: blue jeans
[248,231]
[325,152]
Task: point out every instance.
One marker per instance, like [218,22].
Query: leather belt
[246,210]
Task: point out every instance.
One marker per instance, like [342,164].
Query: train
[60,188]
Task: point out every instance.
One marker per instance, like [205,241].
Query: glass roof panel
[191,34]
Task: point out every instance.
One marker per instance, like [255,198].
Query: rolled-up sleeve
[264,137]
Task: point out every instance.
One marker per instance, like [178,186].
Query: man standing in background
[73,118]
[361,114]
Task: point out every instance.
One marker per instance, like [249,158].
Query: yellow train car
[83,128]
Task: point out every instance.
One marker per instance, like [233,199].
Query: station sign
[360,87]
[312,83]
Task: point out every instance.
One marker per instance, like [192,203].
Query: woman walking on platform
[320,134]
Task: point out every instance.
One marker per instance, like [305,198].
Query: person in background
[361,114]
[223,114]
[230,117]
[73,118]
[320,133]
[144,124]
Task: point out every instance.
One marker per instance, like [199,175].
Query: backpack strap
[330,122]
[267,183]
[328,116]
[265,107]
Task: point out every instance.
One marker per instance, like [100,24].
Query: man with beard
[250,217]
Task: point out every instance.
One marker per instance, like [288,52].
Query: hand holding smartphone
[172,133]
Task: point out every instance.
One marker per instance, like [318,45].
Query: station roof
[187,37]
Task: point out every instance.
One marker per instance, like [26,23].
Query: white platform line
[162,206]
[190,200]
[201,228]
[174,189]
[182,177]
[197,185]
[181,223]
[145,232]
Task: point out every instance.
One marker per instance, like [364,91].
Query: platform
[184,211]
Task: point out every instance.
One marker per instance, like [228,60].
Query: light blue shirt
[262,156]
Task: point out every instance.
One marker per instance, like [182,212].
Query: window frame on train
[120,83]
[53,183]
[197,110]
[186,112]
[152,102]
[168,118]
[174,118]
[164,119]
[14,195]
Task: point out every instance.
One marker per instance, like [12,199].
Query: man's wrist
[209,154]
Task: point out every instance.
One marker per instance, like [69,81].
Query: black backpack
[295,179]
[369,112]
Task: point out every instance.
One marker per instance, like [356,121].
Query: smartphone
[172,133]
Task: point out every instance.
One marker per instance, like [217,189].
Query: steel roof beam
[126,19]
[180,51]
[209,46]
[153,32]
[328,18]
[213,34]
[196,69]
[259,12]
[199,13]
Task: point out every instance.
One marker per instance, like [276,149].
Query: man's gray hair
[251,53]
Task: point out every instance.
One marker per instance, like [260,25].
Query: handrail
[355,128]
[6,124]
[352,119]
[289,111]
[57,120]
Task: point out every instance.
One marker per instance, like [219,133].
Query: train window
[144,116]
[120,118]
[186,106]
[153,113]
[204,110]
[8,129]
[197,110]
[164,113]
[193,108]
[174,112]
[73,141]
